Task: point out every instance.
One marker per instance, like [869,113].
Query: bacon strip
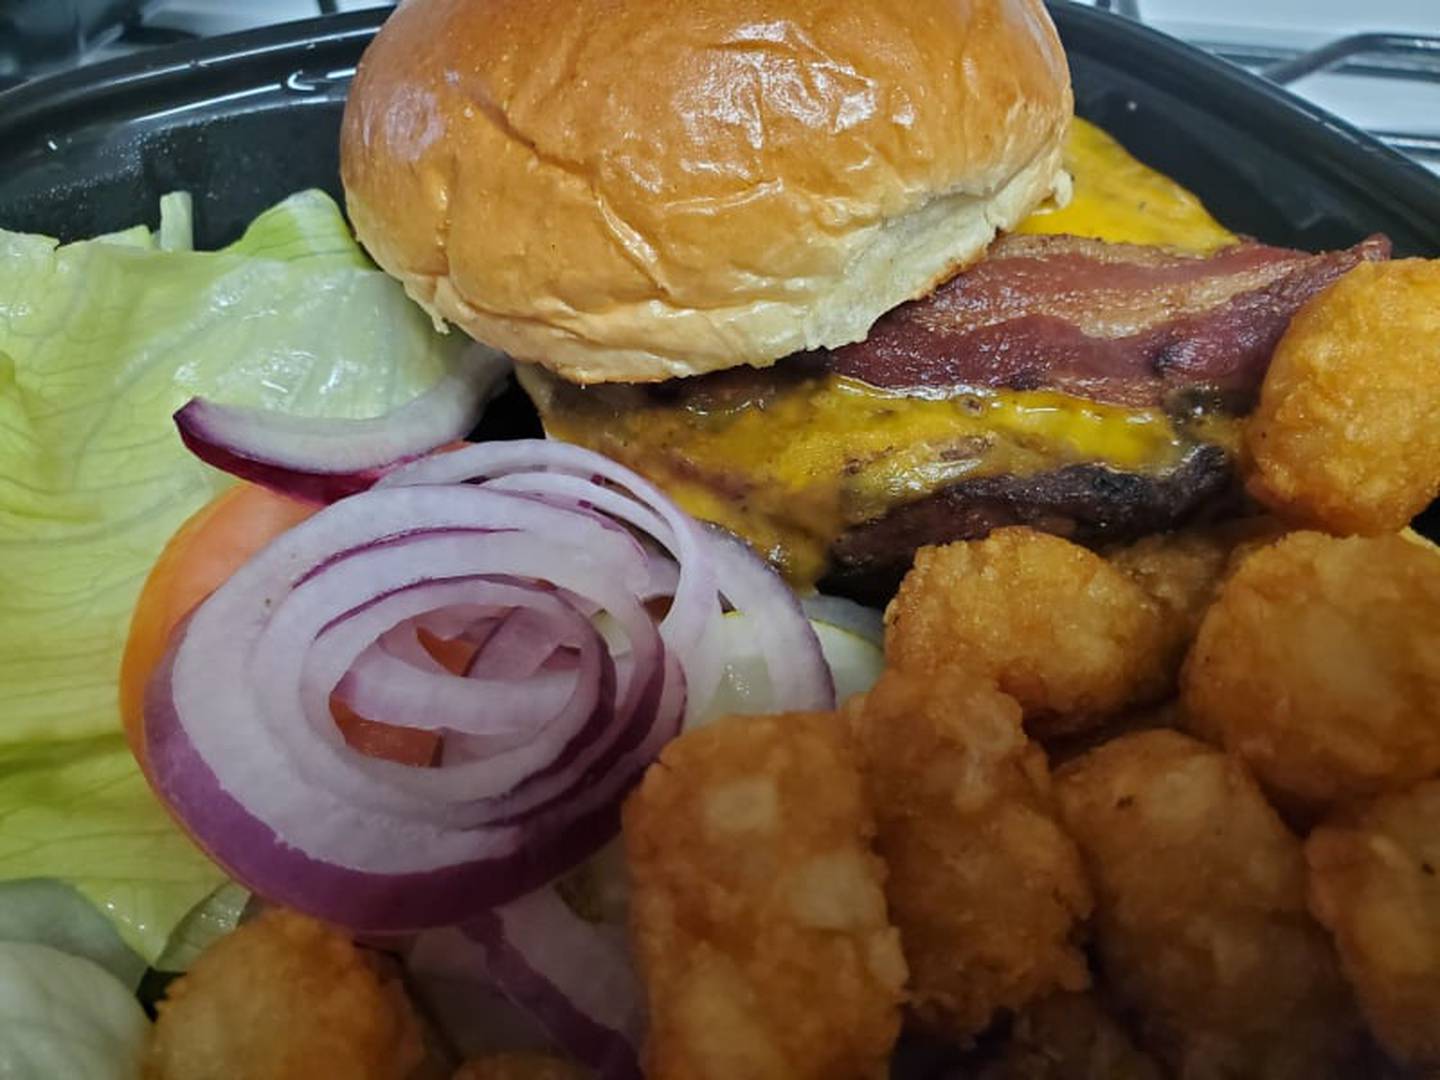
[1111,322]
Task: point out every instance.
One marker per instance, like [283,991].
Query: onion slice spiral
[546,563]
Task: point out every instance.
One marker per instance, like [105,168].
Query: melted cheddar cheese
[791,471]
[795,462]
[1118,199]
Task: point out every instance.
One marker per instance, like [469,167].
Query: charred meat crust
[1090,504]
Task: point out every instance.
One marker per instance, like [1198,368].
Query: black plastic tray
[241,121]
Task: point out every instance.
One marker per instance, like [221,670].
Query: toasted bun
[631,190]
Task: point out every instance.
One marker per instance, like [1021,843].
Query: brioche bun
[633,190]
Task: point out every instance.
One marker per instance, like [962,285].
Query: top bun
[632,190]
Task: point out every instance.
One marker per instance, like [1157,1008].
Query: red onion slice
[378,684]
[800,677]
[445,973]
[324,459]
[692,613]
[539,557]
[574,977]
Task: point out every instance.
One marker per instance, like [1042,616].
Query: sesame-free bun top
[632,190]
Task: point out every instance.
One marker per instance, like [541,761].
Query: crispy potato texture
[1182,572]
[1067,635]
[1375,882]
[757,908]
[1200,918]
[1319,664]
[986,890]
[1344,438]
[1069,1037]
[284,997]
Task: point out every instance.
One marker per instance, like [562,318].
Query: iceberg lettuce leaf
[81,813]
[100,342]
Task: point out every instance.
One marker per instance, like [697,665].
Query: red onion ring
[542,557]
[324,459]
[575,978]
[445,973]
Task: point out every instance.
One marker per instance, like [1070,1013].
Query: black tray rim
[176,64]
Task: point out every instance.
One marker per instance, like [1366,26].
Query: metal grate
[1405,58]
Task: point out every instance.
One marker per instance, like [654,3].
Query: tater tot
[757,908]
[1068,747]
[986,890]
[1319,664]
[1344,438]
[519,1066]
[1201,927]
[1058,628]
[1182,572]
[1375,882]
[284,998]
[1069,1037]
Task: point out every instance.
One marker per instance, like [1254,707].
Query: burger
[843,276]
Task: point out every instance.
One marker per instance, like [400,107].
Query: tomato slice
[206,550]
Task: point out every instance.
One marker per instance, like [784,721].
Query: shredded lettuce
[177,222]
[100,342]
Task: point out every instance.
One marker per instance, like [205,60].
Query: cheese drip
[1118,199]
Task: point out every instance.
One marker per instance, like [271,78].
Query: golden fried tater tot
[986,890]
[519,1066]
[1069,1037]
[1067,747]
[1319,664]
[1182,571]
[757,909]
[1375,882]
[1200,922]
[1344,438]
[1060,629]
[284,998]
